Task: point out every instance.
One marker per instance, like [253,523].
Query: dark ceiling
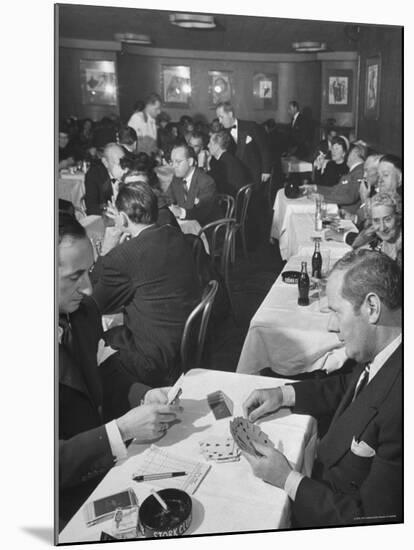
[234,33]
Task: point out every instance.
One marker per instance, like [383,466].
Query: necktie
[185,190]
[67,336]
[362,381]
[115,187]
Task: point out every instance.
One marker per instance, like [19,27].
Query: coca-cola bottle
[303,286]
[317,261]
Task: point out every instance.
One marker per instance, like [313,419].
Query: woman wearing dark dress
[329,172]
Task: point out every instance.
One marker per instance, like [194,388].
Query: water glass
[323,299]
[326,261]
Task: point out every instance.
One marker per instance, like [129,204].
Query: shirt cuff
[118,449]
[292,483]
[183,213]
[288,395]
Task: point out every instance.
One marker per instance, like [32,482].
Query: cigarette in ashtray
[159,499]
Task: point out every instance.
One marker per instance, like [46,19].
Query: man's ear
[191,161]
[372,306]
[104,162]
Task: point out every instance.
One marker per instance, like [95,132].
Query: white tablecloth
[291,165]
[230,498]
[288,338]
[283,210]
[71,187]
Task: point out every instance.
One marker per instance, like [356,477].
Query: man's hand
[156,396]
[262,402]
[272,467]
[334,235]
[265,178]
[147,422]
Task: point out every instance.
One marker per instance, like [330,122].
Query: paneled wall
[140,75]
[386,132]
[70,95]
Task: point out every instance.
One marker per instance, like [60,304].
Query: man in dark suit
[103,178]
[94,420]
[299,142]
[192,192]
[357,477]
[253,151]
[226,170]
[152,278]
[346,192]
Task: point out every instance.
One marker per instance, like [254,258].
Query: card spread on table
[220,449]
[220,404]
[175,391]
[246,434]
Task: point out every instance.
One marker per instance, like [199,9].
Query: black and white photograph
[225,278]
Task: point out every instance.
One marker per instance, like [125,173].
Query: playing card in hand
[246,434]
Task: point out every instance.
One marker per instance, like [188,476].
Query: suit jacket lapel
[241,139]
[353,419]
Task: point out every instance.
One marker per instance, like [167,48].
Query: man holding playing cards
[357,475]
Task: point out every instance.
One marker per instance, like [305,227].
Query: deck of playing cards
[175,391]
[220,404]
[220,449]
[246,434]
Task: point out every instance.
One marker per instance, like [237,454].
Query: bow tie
[113,181]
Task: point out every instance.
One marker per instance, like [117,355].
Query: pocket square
[360,448]
[248,140]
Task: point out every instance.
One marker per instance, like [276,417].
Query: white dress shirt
[234,131]
[288,393]
[187,182]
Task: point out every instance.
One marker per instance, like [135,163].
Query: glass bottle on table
[303,286]
[318,216]
[317,260]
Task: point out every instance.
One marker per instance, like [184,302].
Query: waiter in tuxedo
[299,132]
[357,477]
[103,178]
[251,147]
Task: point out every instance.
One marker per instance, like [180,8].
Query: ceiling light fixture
[192,21]
[132,38]
[309,46]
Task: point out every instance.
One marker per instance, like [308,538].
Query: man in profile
[192,191]
[145,125]
[103,178]
[357,477]
[227,170]
[97,410]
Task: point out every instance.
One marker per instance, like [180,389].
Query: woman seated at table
[329,172]
[384,230]
[390,174]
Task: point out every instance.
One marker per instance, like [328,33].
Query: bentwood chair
[195,328]
[226,203]
[242,204]
[221,234]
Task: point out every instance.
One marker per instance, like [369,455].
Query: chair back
[242,203]
[201,314]
[226,203]
[218,233]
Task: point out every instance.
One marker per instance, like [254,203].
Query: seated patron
[192,192]
[128,139]
[196,141]
[227,170]
[94,415]
[346,192]
[328,172]
[67,152]
[357,476]
[152,279]
[103,178]
[390,174]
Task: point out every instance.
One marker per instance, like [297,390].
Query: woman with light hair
[384,233]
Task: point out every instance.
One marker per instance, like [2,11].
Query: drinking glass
[323,299]
[326,261]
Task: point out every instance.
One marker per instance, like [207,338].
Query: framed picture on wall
[98,82]
[220,87]
[176,85]
[265,91]
[339,90]
[372,86]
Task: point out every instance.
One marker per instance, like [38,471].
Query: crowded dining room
[229,257]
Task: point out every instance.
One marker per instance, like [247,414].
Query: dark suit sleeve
[341,193]
[207,199]
[320,398]
[92,193]
[113,289]
[259,136]
[83,457]
[171,193]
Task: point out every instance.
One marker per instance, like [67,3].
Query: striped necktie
[185,191]
[67,336]
[362,381]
